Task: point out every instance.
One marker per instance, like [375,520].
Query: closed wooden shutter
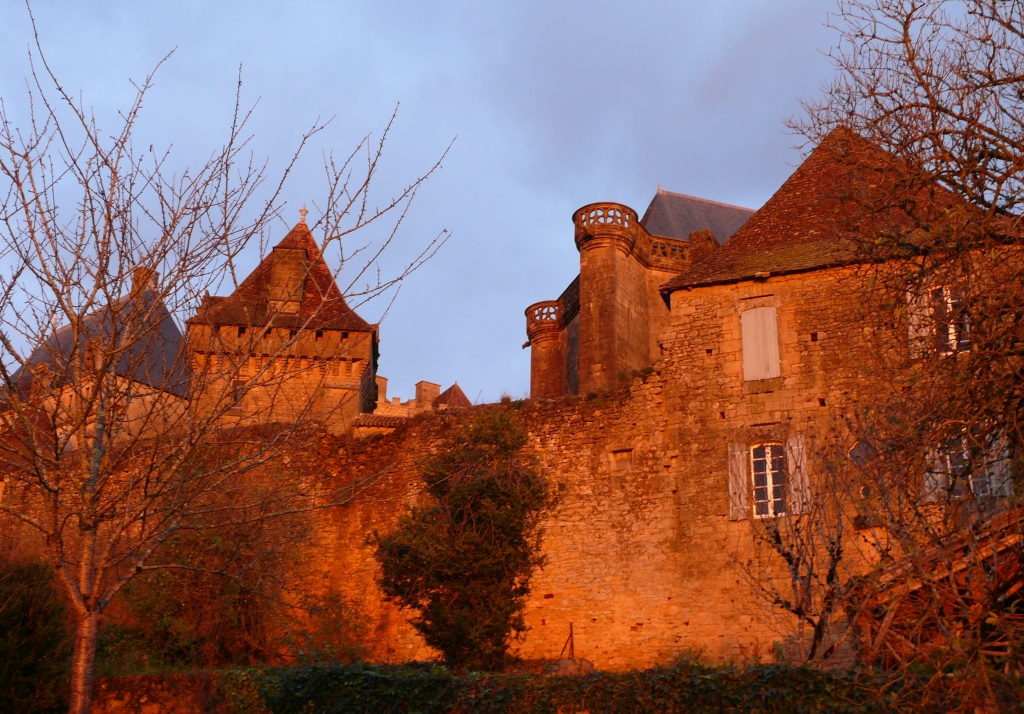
[921,326]
[760,332]
[796,473]
[738,484]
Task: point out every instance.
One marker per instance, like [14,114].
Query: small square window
[241,332]
[622,460]
[319,335]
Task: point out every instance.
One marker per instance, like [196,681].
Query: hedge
[432,689]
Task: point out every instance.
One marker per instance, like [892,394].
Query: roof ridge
[706,200]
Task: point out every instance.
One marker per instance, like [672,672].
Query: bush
[35,642]
[687,687]
[464,560]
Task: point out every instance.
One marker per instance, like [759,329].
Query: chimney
[143,279]
[426,393]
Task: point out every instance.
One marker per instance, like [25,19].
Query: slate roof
[452,398]
[676,215]
[154,351]
[843,189]
[323,307]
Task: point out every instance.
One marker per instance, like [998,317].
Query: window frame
[938,321]
[773,483]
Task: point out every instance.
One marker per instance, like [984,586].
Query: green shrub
[463,561]
[35,642]
[686,687]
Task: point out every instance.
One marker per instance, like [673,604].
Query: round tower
[613,295]
[547,363]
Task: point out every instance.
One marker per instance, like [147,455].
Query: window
[237,393]
[622,460]
[768,479]
[938,319]
[952,328]
[863,452]
[760,332]
[768,471]
[319,335]
[958,470]
[241,332]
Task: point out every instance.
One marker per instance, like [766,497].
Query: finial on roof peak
[302,214]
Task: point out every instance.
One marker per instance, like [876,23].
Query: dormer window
[287,280]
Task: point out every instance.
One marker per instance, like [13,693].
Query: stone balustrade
[618,222]
[605,219]
[542,317]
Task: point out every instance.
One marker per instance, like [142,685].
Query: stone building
[606,324]
[687,385]
[285,345]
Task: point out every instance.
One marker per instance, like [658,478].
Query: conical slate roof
[322,306]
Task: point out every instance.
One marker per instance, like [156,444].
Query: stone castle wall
[642,558]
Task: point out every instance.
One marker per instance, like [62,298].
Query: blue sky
[552,105]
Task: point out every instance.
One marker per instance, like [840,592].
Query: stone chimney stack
[426,393]
[143,279]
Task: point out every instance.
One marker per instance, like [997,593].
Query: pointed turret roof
[322,306]
[452,398]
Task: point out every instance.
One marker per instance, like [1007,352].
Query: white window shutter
[935,482]
[760,332]
[921,325]
[799,496]
[738,505]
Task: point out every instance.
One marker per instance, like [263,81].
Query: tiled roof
[153,357]
[676,215]
[379,421]
[322,307]
[842,190]
[452,398]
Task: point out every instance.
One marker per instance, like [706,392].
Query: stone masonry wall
[641,556]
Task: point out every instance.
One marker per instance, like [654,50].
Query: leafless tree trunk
[115,440]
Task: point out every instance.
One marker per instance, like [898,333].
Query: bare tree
[117,437]
[801,564]
[937,88]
